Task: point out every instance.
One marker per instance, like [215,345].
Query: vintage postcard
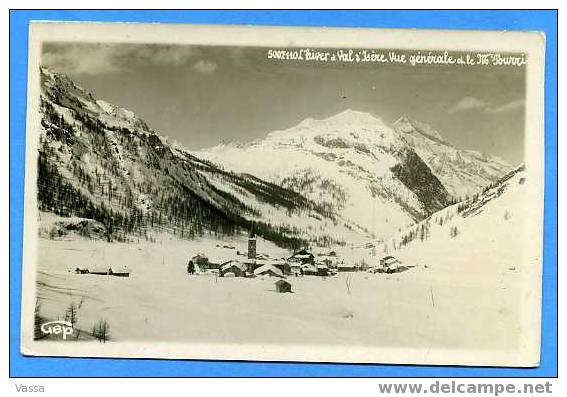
[284,194]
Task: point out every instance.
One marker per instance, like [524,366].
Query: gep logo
[63,328]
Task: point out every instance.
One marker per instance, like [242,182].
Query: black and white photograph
[284,194]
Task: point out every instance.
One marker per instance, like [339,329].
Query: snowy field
[422,307]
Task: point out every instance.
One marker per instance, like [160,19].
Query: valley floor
[160,302]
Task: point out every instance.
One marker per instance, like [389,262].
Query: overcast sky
[201,96]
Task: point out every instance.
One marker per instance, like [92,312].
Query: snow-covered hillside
[99,161]
[463,296]
[343,179]
[379,176]
[480,237]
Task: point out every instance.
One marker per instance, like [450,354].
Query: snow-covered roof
[268,261]
[121,269]
[268,268]
[388,260]
[346,265]
[302,251]
[229,264]
[219,259]
[100,269]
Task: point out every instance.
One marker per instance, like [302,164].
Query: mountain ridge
[352,161]
[99,161]
[349,176]
[463,172]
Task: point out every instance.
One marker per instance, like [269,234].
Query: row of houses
[238,267]
[104,271]
[301,263]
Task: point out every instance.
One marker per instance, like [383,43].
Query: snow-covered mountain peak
[352,162]
[353,117]
[346,117]
[462,172]
[60,88]
[347,130]
[406,125]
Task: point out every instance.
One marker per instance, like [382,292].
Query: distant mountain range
[380,176]
[332,181]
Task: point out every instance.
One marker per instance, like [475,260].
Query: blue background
[20,366]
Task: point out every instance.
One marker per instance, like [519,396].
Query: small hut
[237,268]
[81,270]
[295,269]
[282,286]
[389,264]
[197,263]
[346,267]
[281,264]
[119,271]
[303,256]
[309,270]
[101,270]
[203,263]
[322,269]
[330,261]
[111,271]
[215,262]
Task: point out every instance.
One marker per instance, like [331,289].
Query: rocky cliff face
[462,172]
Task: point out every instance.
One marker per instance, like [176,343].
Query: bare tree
[101,331]
[72,313]
[37,334]
[454,232]
[431,295]
[348,281]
